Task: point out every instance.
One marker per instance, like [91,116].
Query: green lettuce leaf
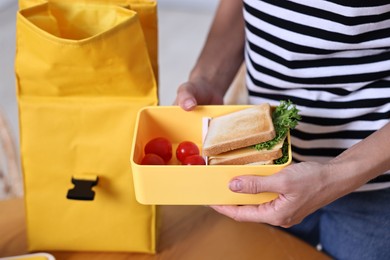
[285,117]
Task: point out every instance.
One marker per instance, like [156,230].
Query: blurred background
[183,27]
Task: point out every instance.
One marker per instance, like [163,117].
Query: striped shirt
[332,59]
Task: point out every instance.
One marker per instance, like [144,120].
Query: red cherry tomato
[185,149]
[152,159]
[194,160]
[160,146]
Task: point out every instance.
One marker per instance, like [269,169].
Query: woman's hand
[302,188]
[219,60]
[197,92]
[305,187]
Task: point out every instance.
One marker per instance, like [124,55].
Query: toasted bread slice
[239,129]
[247,155]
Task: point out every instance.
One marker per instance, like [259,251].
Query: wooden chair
[10,177]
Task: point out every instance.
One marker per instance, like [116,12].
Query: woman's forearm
[362,162]
[223,52]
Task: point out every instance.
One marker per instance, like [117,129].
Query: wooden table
[187,232]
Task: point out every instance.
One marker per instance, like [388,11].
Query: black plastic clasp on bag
[82,189]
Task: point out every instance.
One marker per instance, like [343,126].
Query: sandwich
[256,135]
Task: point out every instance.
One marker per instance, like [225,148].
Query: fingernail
[189,103]
[235,185]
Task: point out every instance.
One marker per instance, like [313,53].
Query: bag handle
[82,189]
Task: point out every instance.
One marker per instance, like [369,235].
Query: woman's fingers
[186,97]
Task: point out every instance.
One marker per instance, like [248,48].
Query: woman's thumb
[253,184]
[185,97]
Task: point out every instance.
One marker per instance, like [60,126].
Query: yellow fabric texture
[83,70]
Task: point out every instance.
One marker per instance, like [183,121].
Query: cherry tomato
[185,149]
[194,160]
[152,159]
[160,146]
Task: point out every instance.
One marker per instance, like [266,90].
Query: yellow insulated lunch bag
[83,70]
